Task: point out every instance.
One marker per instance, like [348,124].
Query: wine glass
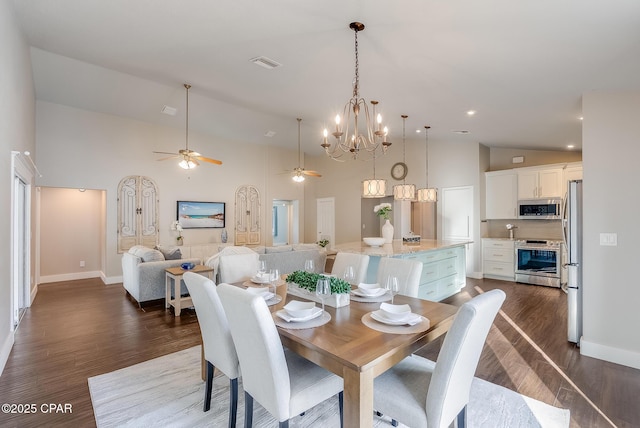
[323,289]
[262,267]
[274,276]
[309,266]
[349,275]
[392,286]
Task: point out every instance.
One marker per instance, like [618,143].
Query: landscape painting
[194,215]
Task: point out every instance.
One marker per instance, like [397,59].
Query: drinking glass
[349,275]
[323,289]
[274,277]
[262,267]
[392,286]
[309,266]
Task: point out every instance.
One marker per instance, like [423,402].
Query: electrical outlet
[81,263]
[609,239]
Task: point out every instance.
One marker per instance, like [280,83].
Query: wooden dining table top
[357,353]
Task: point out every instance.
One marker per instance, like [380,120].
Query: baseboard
[69,276]
[6,350]
[475,275]
[111,279]
[608,353]
[34,291]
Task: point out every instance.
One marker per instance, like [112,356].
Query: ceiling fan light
[298,178]
[187,164]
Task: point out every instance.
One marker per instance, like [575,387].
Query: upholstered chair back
[238,267]
[360,263]
[407,271]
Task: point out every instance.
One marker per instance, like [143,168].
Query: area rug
[168,392]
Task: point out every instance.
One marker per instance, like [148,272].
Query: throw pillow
[304,247]
[146,254]
[278,249]
[170,253]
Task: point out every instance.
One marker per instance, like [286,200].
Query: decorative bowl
[369,289]
[187,266]
[395,312]
[373,241]
[299,309]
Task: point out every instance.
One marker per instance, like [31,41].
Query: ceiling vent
[265,62]
[171,111]
[461,131]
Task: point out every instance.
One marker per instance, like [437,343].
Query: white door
[457,218]
[325,220]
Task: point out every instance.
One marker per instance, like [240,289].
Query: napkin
[288,318]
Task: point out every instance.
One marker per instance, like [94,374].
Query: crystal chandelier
[427,194]
[374,188]
[404,191]
[349,139]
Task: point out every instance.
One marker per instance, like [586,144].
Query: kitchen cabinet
[501,195]
[573,171]
[498,259]
[538,183]
[443,272]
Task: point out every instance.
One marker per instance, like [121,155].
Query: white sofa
[143,273]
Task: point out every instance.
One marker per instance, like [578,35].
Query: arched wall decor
[247,216]
[137,212]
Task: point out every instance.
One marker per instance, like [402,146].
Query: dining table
[356,352]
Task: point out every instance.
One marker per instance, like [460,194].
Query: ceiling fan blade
[167,153]
[205,159]
[311,173]
[168,157]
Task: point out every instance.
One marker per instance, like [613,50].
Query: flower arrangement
[308,280]
[176,226]
[323,242]
[383,210]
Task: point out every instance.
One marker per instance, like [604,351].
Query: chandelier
[404,191]
[427,194]
[349,139]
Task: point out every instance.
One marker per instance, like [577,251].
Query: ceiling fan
[189,157]
[299,172]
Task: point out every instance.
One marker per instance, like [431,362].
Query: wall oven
[538,262]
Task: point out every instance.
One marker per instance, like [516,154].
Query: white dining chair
[360,263]
[284,383]
[421,393]
[407,271]
[238,267]
[218,347]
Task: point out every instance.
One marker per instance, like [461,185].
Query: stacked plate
[261,278]
[369,290]
[297,311]
[262,292]
[396,315]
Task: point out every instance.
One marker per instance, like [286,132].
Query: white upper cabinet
[502,195]
[573,171]
[535,183]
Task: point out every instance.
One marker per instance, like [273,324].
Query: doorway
[285,222]
[325,220]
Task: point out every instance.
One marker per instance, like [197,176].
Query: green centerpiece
[308,281]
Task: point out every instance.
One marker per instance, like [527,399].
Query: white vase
[387,232]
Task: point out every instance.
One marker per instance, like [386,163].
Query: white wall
[84,149]
[17,118]
[611,205]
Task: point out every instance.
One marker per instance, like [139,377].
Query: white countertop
[397,248]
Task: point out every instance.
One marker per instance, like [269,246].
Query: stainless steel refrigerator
[572,229]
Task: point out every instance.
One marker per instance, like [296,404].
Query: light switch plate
[609,239]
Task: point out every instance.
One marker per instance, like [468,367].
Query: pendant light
[427,194]
[373,188]
[404,191]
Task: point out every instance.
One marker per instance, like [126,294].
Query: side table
[174,275]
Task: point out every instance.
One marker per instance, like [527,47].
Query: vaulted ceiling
[522,66]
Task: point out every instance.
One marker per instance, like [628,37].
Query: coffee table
[174,275]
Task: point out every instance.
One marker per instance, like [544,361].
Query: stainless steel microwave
[540,209]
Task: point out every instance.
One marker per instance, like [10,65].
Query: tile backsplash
[525,229]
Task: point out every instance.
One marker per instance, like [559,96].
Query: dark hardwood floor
[79,329]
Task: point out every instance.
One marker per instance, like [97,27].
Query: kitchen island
[444,263]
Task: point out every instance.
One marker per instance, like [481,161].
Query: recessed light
[270,134]
[461,131]
[471,112]
[581,118]
[265,62]
[171,111]
[570,146]
[418,131]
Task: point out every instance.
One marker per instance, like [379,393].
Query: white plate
[298,309]
[262,292]
[413,319]
[395,312]
[260,280]
[379,293]
[285,316]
